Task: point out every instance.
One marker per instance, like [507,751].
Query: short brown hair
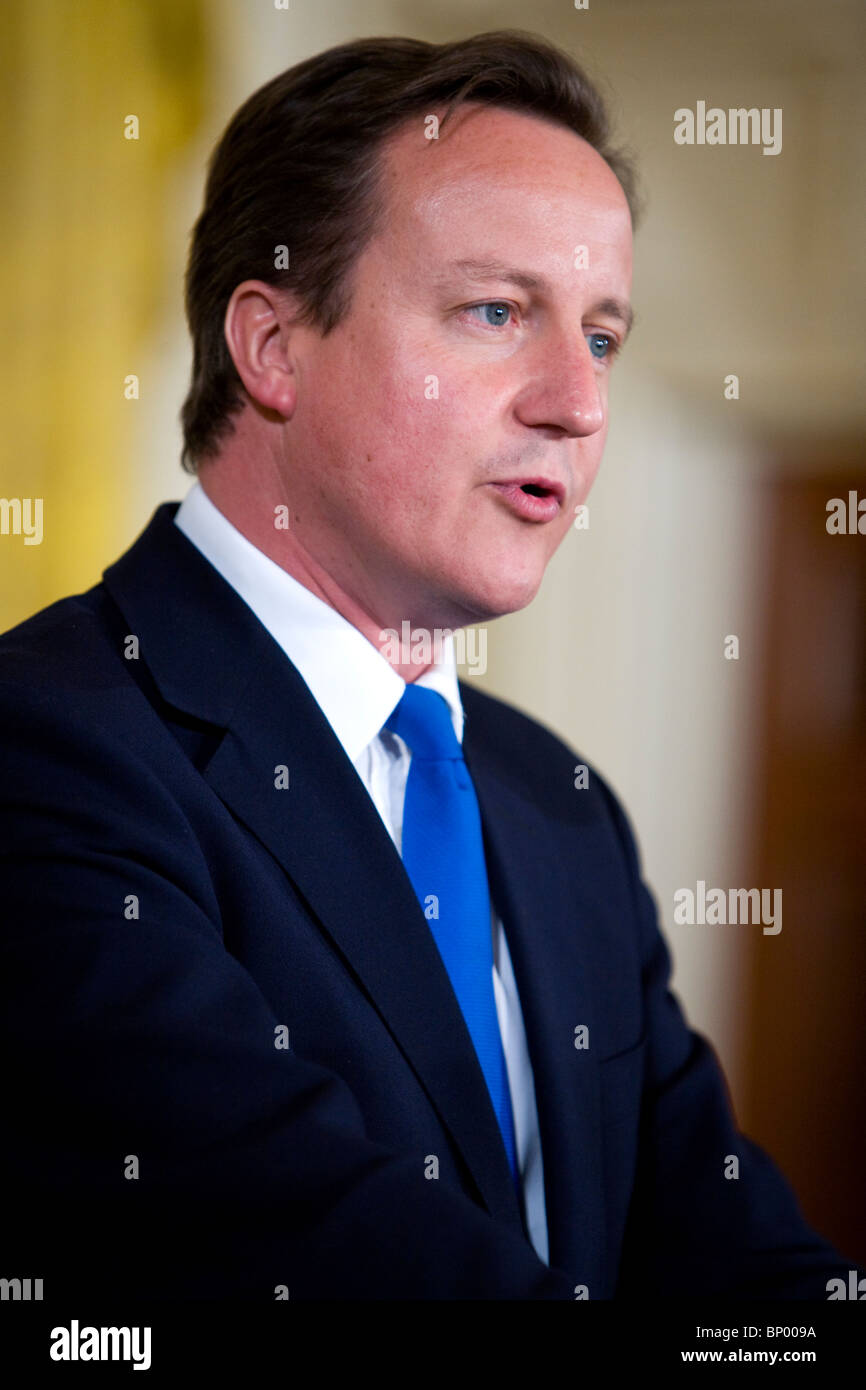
[298,166]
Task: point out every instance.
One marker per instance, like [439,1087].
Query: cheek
[398,403]
[419,434]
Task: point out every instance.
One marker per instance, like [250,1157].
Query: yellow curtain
[81,263]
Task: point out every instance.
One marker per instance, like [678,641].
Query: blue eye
[601,345]
[498,317]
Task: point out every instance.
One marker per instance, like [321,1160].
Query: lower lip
[526,504]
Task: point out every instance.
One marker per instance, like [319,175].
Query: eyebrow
[498,270]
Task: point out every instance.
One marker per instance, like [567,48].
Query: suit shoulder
[83,757]
[73,645]
[505,723]
[525,750]
[67,693]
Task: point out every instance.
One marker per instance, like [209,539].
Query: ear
[257,329]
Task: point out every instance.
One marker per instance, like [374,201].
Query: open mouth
[535,490]
[533,501]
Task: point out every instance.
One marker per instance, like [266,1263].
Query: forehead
[520,178]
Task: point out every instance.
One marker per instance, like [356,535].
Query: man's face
[474,363]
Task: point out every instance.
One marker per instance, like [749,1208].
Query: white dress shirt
[325,648]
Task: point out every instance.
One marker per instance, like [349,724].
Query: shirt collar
[352,682]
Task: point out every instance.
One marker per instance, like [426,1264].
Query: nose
[564,393]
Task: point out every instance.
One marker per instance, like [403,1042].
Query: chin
[497,600]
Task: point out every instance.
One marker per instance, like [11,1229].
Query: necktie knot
[423,721]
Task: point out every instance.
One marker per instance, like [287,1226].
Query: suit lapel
[210,657]
[546,921]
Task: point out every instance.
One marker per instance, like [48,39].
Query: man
[324,979]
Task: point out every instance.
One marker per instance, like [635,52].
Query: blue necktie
[443,854]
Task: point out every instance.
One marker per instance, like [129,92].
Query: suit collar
[197,638]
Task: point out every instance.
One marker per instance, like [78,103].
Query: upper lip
[548,484]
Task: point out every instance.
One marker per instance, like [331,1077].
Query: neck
[407,652]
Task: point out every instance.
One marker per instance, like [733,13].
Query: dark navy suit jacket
[169,912]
